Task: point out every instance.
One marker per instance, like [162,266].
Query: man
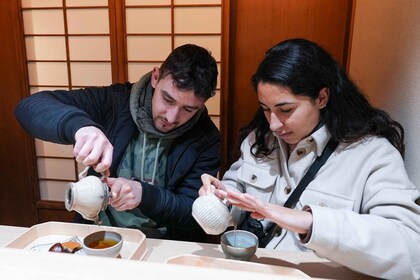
[153,139]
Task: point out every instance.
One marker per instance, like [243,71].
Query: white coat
[365,214]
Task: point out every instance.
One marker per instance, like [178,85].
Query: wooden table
[158,251]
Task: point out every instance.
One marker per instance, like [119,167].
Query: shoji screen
[154,28]
[70,45]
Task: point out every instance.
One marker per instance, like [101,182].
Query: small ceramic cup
[239,244]
[89,196]
[103,244]
[212,214]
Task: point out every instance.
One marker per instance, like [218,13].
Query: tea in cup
[103,244]
[88,197]
[212,214]
[239,244]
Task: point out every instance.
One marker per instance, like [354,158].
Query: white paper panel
[137,70]
[53,190]
[88,21]
[148,47]
[148,20]
[197,19]
[72,3]
[186,2]
[213,104]
[216,121]
[80,169]
[45,48]
[33,90]
[91,73]
[47,73]
[90,48]
[44,148]
[147,2]
[41,3]
[218,76]
[212,43]
[51,168]
[43,22]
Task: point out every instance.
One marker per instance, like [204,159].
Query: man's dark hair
[192,68]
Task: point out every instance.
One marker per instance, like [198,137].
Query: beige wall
[385,63]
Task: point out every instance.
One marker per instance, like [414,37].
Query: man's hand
[93,148]
[126,194]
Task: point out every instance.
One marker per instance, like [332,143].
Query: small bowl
[103,244]
[239,244]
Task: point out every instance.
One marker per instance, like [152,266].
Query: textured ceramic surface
[239,244]
[211,214]
[88,197]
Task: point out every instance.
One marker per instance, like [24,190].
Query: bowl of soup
[103,244]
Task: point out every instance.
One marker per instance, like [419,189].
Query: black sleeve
[56,116]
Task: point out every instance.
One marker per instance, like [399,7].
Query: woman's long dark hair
[306,68]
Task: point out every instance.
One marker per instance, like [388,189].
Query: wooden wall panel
[18,182]
[53,211]
[255,26]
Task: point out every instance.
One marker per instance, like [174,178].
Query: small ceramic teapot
[89,196]
[212,214]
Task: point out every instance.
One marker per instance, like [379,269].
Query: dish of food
[72,245]
[69,247]
[42,237]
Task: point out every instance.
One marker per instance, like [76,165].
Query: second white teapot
[212,214]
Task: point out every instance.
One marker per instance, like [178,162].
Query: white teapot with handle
[88,197]
[212,214]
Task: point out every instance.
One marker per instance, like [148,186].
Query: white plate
[45,247]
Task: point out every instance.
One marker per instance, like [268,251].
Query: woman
[361,200]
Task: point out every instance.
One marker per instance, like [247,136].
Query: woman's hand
[210,185]
[249,203]
[290,219]
[126,194]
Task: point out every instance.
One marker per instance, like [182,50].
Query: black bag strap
[309,175]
